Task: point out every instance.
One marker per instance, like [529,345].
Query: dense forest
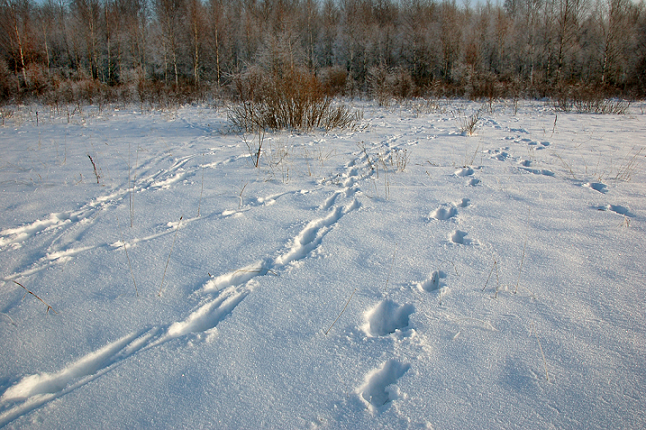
[62,50]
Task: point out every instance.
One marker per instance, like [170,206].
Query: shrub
[334,80]
[293,99]
[588,99]
[8,81]
[384,84]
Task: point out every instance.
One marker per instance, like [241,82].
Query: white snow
[399,275]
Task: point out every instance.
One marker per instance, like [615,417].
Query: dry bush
[5,114]
[377,82]
[294,99]
[8,81]
[468,124]
[588,99]
[385,85]
[402,84]
[334,80]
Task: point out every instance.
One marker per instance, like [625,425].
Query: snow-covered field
[400,275]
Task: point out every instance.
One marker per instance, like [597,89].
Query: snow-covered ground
[400,275]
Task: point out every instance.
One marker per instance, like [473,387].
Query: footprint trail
[219,297]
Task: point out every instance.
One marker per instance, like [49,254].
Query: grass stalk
[337,318]
[33,294]
[132,187]
[169,254]
[240,195]
[392,264]
[125,248]
[494,266]
[540,347]
[96,174]
[199,204]
[522,260]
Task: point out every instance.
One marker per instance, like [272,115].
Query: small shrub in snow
[469,124]
[588,100]
[291,99]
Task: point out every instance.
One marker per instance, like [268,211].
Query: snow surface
[399,275]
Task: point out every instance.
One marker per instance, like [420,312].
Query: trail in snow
[220,296]
[388,331]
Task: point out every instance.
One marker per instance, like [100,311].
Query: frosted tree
[17,33]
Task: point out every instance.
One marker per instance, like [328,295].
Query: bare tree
[169,15]
[568,16]
[87,14]
[450,38]
[196,22]
[132,43]
[17,32]
[615,26]
[217,22]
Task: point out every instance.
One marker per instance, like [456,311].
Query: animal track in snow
[220,296]
[493,123]
[462,203]
[465,171]
[543,172]
[473,182]
[305,242]
[597,186]
[18,235]
[444,212]
[50,383]
[499,154]
[208,315]
[378,388]
[621,210]
[537,143]
[518,130]
[433,282]
[386,318]
[459,237]
[59,227]
[448,211]
[32,391]
[330,200]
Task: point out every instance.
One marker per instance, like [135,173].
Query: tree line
[61,49]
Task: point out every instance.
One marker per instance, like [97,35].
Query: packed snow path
[401,275]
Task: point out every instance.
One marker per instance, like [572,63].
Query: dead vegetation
[293,100]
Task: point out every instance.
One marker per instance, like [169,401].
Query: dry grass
[96,173]
[630,164]
[5,114]
[522,260]
[125,249]
[493,267]
[469,123]
[588,99]
[596,106]
[343,310]
[161,286]
[33,294]
[540,347]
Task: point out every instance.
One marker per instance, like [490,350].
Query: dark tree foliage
[63,50]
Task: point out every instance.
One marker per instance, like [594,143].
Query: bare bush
[377,82]
[469,124]
[586,99]
[291,100]
[8,81]
[5,114]
[384,84]
[334,80]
